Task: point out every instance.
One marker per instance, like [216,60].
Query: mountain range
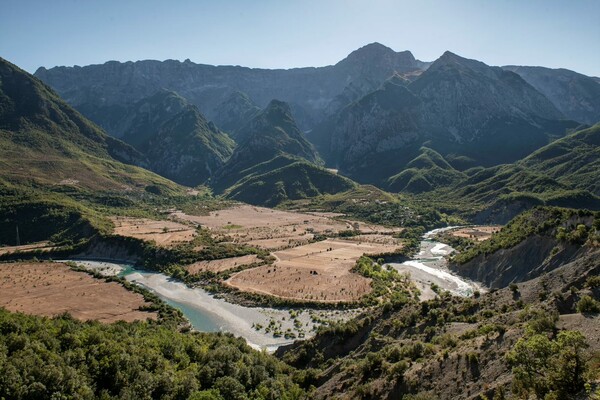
[377,117]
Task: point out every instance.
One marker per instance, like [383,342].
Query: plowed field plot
[477,233]
[275,229]
[222,265]
[53,288]
[163,233]
[26,247]
[318,271]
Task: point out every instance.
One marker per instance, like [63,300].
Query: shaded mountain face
[271,133]
[102,92]
[577,96]
[458,107]
[234,112]
[46,142]
[144,118]
[372,137]
[187,148]
[177,140]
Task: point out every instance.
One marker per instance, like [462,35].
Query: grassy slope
[286,178]
[427,171]
[44,142]
[270,134]
[564,173]
[573,160]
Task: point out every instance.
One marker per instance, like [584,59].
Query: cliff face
[577,96]
[532,244]
[529,259]
[100,91]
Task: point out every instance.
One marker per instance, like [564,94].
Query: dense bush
[63,358]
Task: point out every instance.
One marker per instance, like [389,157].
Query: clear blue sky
[286,33]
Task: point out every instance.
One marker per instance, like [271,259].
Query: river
[430,266]
[208,313]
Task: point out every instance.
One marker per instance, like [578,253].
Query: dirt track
[53,288]
[27,247]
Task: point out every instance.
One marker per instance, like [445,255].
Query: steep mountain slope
[187,148]
[101,92]
[532,244]
[364,138]
[577,96]
[462,108]
[271,133]
[144,118]
[43,141]
[234,112]
[275,163]
[493,114]
[178,141]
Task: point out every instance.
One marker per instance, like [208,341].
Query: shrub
[588,305]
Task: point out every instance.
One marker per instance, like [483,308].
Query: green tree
[544,367]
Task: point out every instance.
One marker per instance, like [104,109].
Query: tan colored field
[52,288]
[477,233]
[164,233]
[26,247]
[377,239]
[222,265]
[318,271]
[275,229]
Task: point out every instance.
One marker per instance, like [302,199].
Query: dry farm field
[304,270]
[53,288]
[477,233]
[26,247]
[223,264]
[319,271]
[276,229]
[163,233]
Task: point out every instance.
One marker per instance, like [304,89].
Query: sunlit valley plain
[379,228]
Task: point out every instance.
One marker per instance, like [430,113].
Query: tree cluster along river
[210,314]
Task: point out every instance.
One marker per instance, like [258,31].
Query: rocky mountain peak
[278,110]
[377,56]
